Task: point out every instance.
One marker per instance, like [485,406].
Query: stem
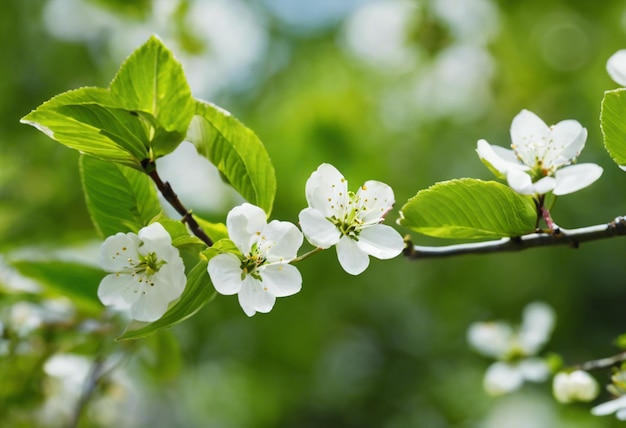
[94,377]
[572,237]
[602,362]
[306,255]
[170,196]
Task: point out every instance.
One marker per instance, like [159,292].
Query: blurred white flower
[618,404]
[575,386]
[147,272]
[616,67]
[262,272]
[352,221]
[515,349]
[542,157]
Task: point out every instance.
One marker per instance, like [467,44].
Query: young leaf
[613,124]
[236,151]
[119,199]
[76,281]
[87,120]
[469,209]
[153,83]
[197,292]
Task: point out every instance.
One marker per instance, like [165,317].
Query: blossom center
[251,263]
[349,221]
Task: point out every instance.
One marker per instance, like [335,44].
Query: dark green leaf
[119,199]
[469,209]
[236,151]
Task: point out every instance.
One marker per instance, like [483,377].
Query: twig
[602,362]
[170,196]
[559,236]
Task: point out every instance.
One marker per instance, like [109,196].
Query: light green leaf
[236,151]
[76,281]
[143,115]
[119,199]
[87,120]
[469,209]
[197,292]
[153,83]
[613,123]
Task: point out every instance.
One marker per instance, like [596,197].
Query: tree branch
[572,238]
[171,197]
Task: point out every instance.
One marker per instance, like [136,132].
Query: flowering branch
[559,236]
[170,196]
[602,362]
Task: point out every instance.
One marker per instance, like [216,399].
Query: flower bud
[575,386]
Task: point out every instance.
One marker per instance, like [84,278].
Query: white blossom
[616,67]
[574,386]
[542,157]
[262,272]
[618,390]
[352,221]
[514,348]
[147,273]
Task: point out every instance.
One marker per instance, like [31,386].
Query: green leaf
[119,199]
[613,123]
[236,151]
[76,281]
[197,292]
[87,120]
[469,209]
[143,115]
[153,83]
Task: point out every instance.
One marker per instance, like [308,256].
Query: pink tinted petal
[280,240]
[351,258]
[119,291]
[245,224]
[616,67]
[377,198]
[281,280]
[116,250]
[381,241]
[575,177]
[225,272]
[253,298]
[317,229]
[326,190]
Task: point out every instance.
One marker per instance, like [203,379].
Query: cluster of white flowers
[515,349]
[147,273]
[542,157]
[618,390]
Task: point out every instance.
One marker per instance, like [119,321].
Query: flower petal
[528,132]
[377,199]
[156,235]
[225,272]
[280,240]
[253,298]
[119,291]
[318,229]
[609,407]
[492,339]
[351,258]
[281,279]
[326,190]
[575,177]
[119,251]
[544,185]
[149,308]
[616,67]
[570,135]
[497,159]
[520,182]
[502,378]
[534,369]
[245,223]
[381,241]
[537,325]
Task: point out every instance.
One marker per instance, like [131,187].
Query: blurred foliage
[387,348]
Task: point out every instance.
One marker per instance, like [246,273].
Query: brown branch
[170,196]
[559,236]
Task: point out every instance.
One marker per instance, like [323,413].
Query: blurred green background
[393,90]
